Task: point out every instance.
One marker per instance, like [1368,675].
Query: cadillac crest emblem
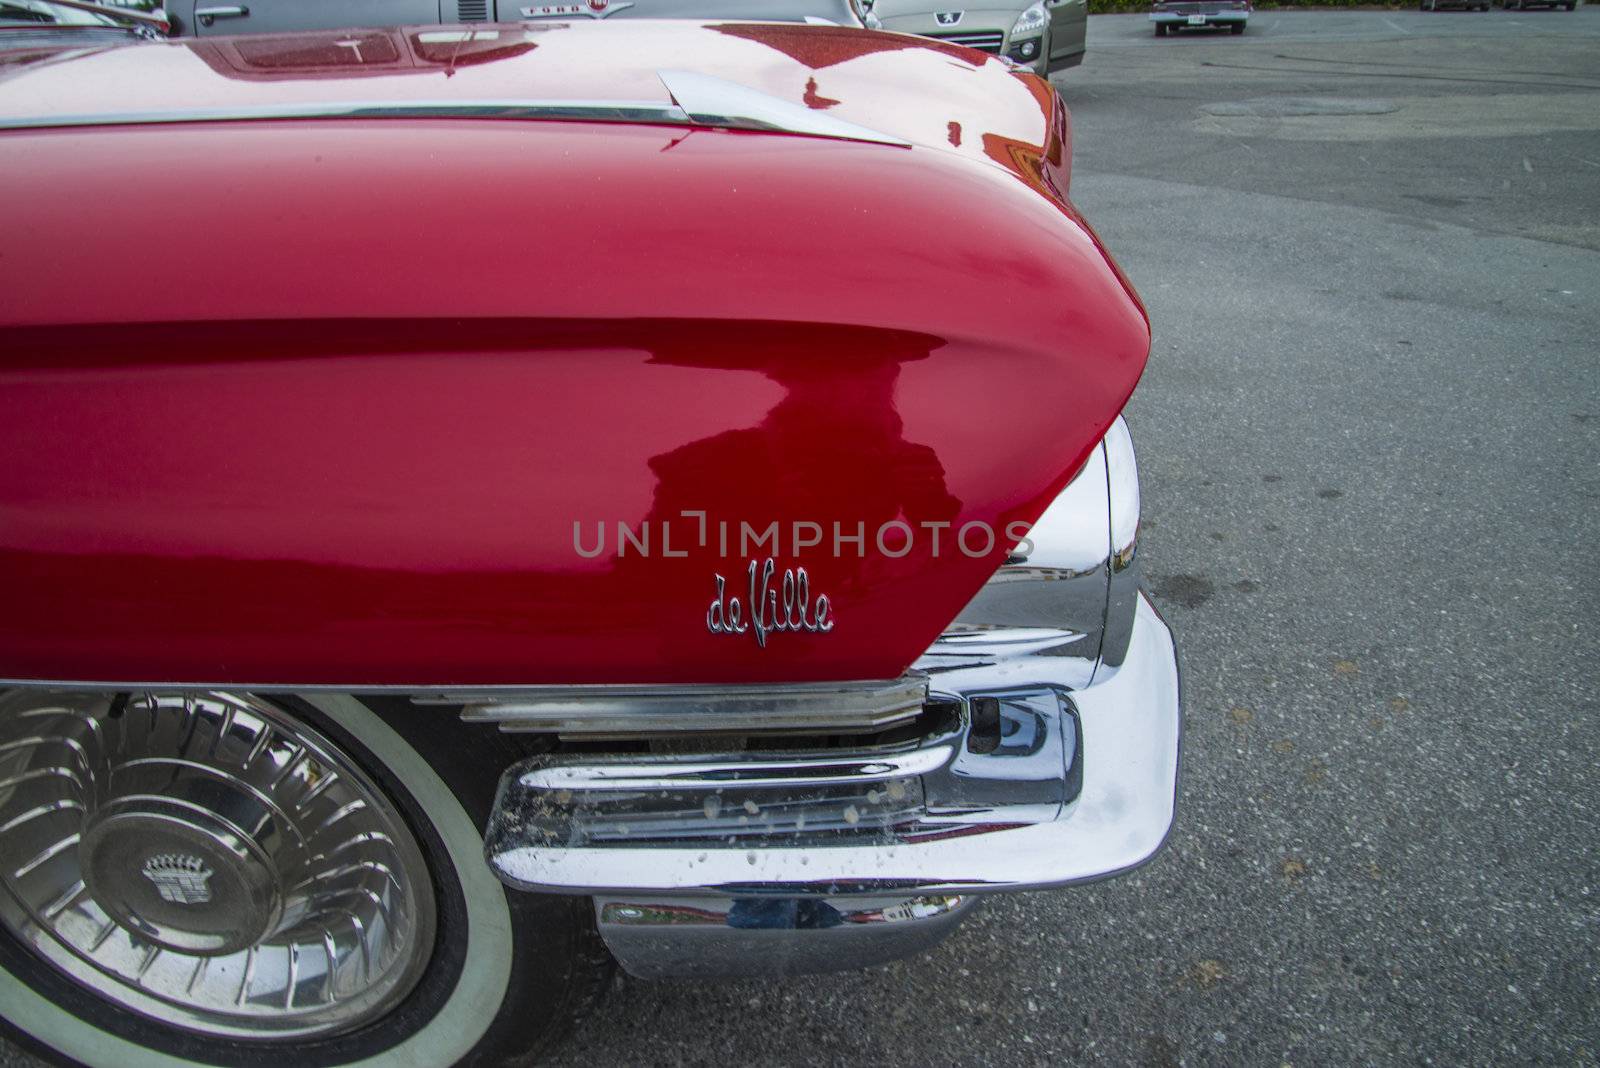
[179,878]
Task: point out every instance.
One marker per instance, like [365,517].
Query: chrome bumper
[1210,18]
[761,937]
[1038,780]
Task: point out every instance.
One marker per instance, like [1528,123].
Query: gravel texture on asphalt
[1370,443]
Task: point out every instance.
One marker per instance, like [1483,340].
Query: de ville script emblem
[773,607]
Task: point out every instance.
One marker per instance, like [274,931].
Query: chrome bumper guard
[732,937]
[1037,780]
[935,819]
[1045,754]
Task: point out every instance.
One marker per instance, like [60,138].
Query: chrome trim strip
[753,769]
[640,111]
[1122,489]
[891,700]
[1122,482]
[717,102]
[140,686]
[989,41]
[625,710]
[698,100]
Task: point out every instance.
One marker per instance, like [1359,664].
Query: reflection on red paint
[817,47]
[352,448]
[812,100]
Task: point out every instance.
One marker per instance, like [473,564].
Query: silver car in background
[1046,35]
[1173,15]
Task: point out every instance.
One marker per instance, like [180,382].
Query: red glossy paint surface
[328,410]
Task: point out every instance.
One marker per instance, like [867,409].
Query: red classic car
[546,495]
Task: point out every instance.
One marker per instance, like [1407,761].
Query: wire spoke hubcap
[207,860]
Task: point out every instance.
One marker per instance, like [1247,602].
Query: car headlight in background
[1031,22]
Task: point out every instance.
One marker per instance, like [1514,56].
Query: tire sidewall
[455,1025]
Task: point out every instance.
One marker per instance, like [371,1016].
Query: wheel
[235,880]
[1161,29]
[1237,28]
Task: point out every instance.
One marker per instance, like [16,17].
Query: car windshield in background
[43,13]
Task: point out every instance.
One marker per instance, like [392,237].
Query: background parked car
[1466,5]
[1513,5]
[1047,35]
[28,24]
[207,17]
[1233,14]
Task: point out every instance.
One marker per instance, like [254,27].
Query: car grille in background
[984,41]
[1193,9]
[472,10]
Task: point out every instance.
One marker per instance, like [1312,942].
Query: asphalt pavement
[1370,442]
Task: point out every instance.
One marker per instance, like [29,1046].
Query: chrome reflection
[207,860]
[623,711]
[1122,593]
[696,100]
[1079,784]
[1059,766]
[712,101]
[723,937]
[1073,595]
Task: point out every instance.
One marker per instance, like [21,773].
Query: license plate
[1197,20]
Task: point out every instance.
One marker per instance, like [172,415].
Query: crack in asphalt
[1413,66]
[1521,83]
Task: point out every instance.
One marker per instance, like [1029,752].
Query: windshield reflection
[25,13]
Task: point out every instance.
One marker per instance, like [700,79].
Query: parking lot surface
[1370,246]
[1369,436]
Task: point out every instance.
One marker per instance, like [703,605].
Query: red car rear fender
[372,431]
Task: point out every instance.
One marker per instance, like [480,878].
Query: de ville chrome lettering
[772,609]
